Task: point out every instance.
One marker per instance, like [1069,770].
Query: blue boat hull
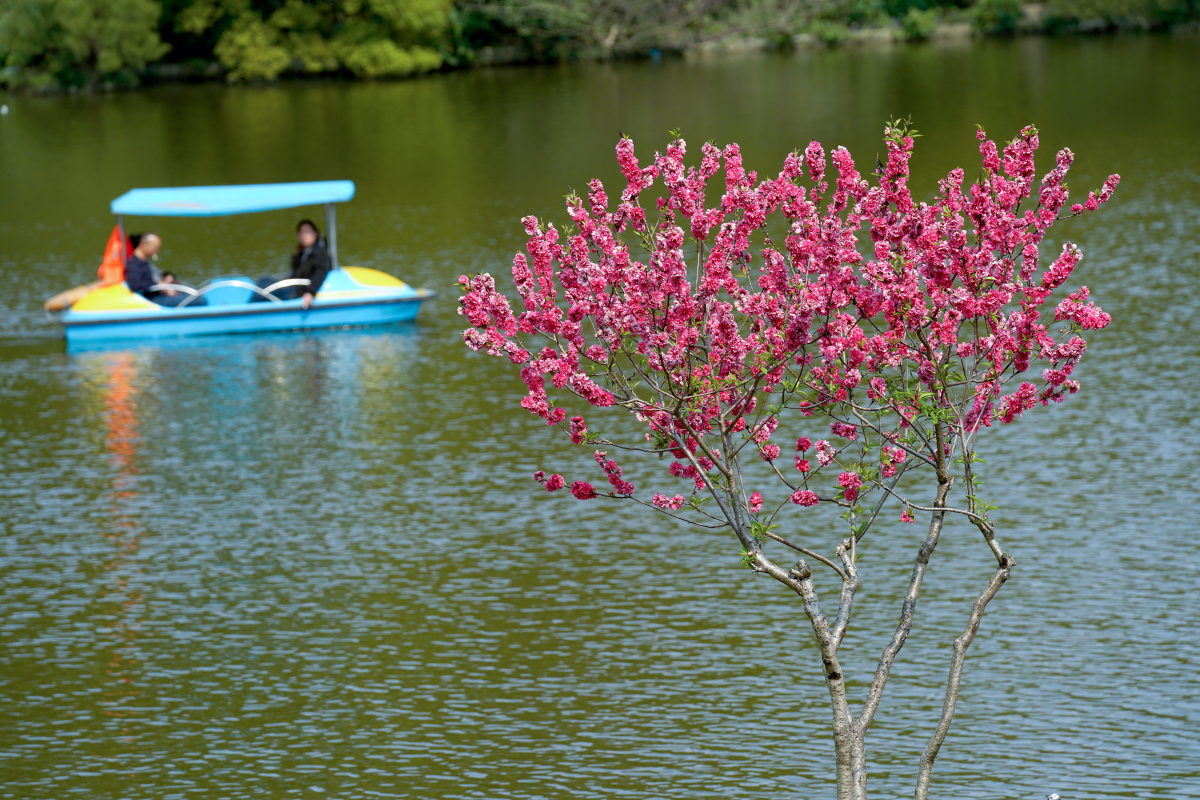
[349,297]
[248,318]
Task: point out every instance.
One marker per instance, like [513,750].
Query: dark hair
[135,239]
[310,224]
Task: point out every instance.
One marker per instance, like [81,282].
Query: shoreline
[1032,24]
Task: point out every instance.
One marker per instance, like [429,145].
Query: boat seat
[230,295]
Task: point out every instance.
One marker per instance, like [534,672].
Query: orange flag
[112,268]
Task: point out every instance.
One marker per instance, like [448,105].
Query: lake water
[317,565]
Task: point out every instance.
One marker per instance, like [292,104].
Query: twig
[808,553]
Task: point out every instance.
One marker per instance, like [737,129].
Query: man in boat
[139,274]
[310,262]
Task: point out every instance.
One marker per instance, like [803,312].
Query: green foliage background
[47,44]
[66,42]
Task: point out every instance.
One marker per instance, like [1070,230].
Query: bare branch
[954,682]
[845,551]
[808,553]
[908,610]
[978,520]
[676,516]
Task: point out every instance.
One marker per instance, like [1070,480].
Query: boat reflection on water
[121,594]
[207,445]
[244,394]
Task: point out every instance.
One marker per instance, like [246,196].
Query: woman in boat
[310,262]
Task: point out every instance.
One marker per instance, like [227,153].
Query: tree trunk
[858,762]
[843,747]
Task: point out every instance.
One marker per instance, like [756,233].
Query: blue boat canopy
[216,201]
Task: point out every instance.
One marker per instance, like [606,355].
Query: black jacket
[139,276]
[313,264]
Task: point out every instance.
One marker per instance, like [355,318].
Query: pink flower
[844,430]
[554,483]
[770,452]
[805,498]
[755,503]
[668,503]
[927,372]
[825,452]
[906,517]
[1088,317]
[621,486]
[889,458]
[764,431]
[850,481]
[803,443]
[582,490]
[803,464]
[539,476]
[1018,402]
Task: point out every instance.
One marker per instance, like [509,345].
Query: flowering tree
[710,324]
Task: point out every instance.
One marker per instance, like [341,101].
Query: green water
[317,565]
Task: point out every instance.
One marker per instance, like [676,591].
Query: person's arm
[137,276]
[318,269]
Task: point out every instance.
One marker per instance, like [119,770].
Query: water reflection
[121,592]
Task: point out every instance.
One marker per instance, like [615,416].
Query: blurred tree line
[46,44]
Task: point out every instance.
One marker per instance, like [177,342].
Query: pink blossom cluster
[552,484]
[668,503]
[889,459]
[614,473]
[882,313]
[850,483]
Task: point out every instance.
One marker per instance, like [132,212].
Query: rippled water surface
[316,565]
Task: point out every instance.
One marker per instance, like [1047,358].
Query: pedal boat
[349,297]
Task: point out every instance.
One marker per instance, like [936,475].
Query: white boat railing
[267,293]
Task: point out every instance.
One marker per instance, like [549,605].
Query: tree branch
[956,668]
[808,553]
[908,610]
[845,551]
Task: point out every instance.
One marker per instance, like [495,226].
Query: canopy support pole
[331,234]
[121,228]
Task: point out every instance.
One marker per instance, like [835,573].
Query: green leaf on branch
[983,505]
[852,514]
[898,128]
[759,529]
